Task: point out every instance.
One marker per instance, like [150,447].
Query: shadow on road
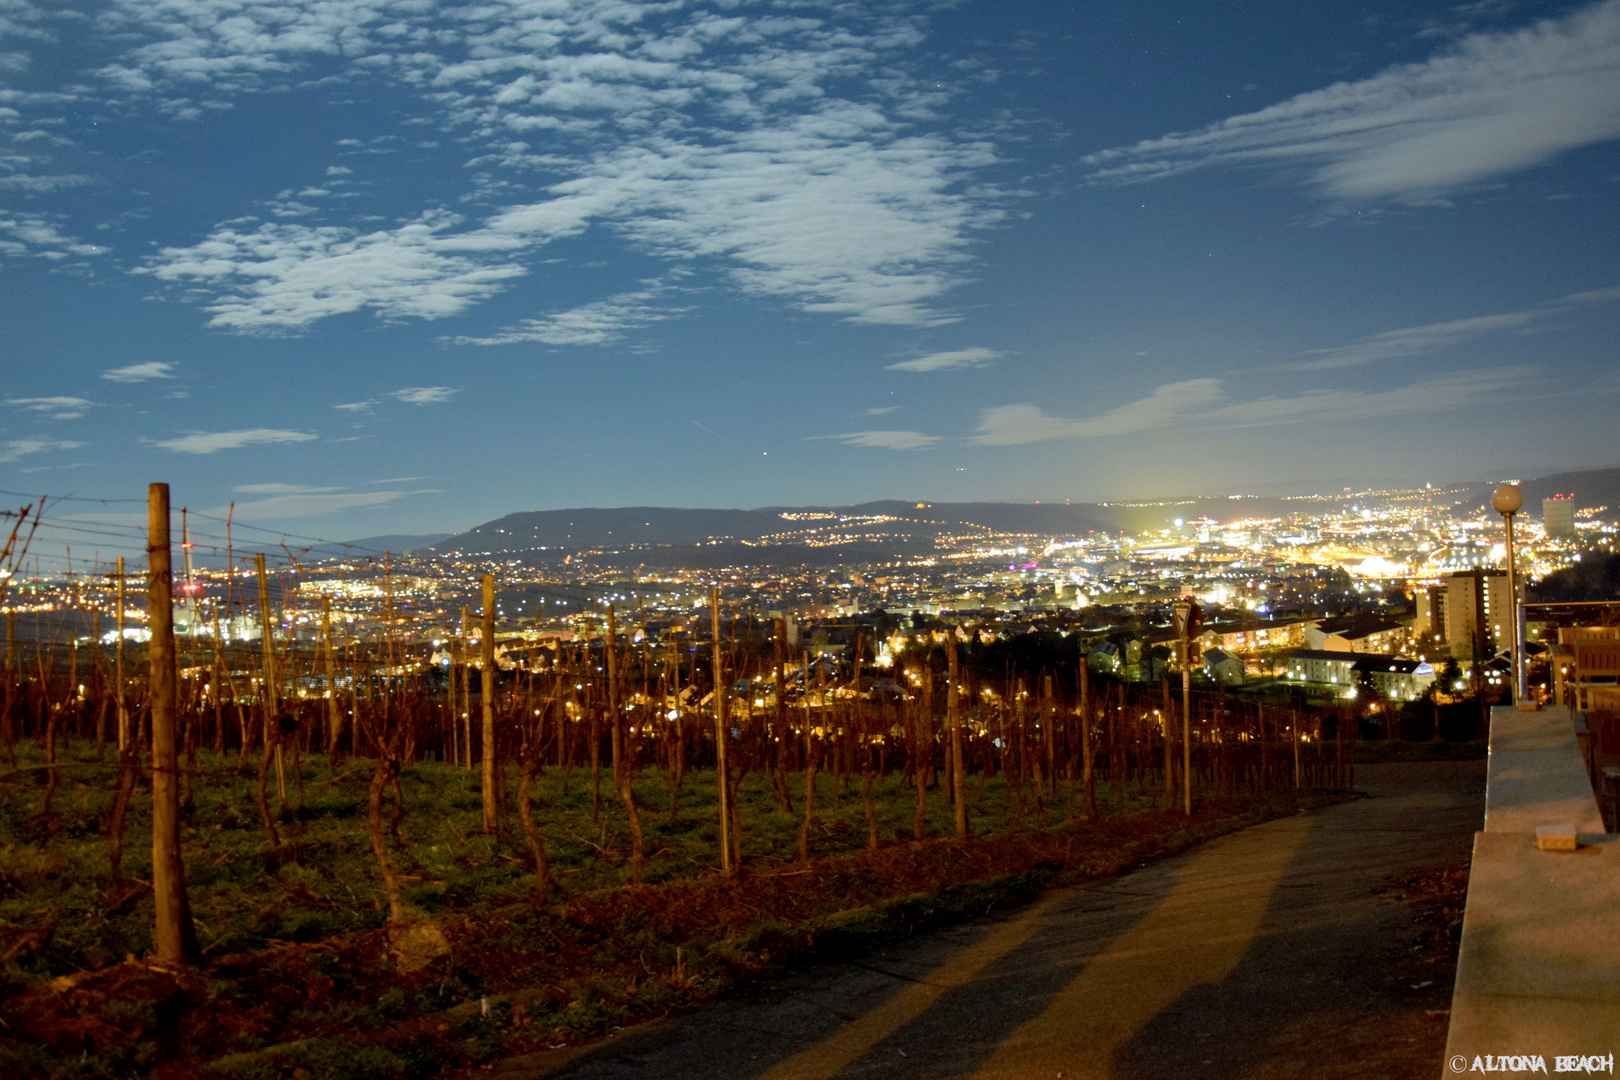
[1267,953]
[1331,985]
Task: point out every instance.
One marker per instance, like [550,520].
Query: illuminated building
[1558,517]
[1429,619]
[1479,613]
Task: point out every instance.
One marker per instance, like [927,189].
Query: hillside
[1591,488]
[793,534]
[398,543]
[662,535]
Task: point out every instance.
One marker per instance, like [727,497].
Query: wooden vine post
[488,688]
[784,800]
[1169,745]
[118,654]
[677,726]
[923,750]
[1088,747]
[953,719]
[1188,621]
[623,777]
[466,689]
[721,769]
[272,734]
[174,939]
[810,753]
[1049,734]
[216,690]
[1265,754]
[334,715]
[1293,730]
[265,628]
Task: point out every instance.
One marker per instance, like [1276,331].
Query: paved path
[1267,953]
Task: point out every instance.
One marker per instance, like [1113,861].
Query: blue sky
[367,266]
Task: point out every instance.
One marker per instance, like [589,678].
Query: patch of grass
[330,1059]
[300,974]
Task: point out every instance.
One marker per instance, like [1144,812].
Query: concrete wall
[1539,968]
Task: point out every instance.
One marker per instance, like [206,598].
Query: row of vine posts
[772,713]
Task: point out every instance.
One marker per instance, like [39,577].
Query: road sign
[1189,620]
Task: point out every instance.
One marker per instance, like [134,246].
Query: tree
[1366,689]
[1595,577]
[1450,673]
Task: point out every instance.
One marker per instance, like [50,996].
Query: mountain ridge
[676,534]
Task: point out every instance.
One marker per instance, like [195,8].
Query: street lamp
[1507,500]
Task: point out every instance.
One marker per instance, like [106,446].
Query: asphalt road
[1265,954]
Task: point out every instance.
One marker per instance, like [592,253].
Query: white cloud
[32,235]
[312,504]
[19,448]
[152,369]
[424,395]
[1195,405]
[280,489]
[206,442]
[886,440]
[1484,388]
[943,361]
[1489,105]
[1433,337]
[410,395]
[598,323]
[691,135]
[760,203]
[39,185]
[880,410]
[1011,425]
[57,408]
[1595,296]
[1414,340]
[20,19]
[283,276]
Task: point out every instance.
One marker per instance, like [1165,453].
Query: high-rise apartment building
[1478,613]
[1558,516]
[1429,617]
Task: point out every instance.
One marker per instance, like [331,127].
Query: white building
[1479,613]
[1558,517]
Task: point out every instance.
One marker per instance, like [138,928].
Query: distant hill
[666,535]
[579,529]
[1591,487]
[662,535]
[398,543]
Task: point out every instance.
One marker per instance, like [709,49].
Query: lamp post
[1507,500]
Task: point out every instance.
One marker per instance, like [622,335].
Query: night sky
[371,266]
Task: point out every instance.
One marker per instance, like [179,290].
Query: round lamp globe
[1508,499]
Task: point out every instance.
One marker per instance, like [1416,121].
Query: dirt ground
[1320,945]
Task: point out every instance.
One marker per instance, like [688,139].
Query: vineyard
[211,847]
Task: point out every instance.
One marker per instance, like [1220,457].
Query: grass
[325,881]
[302,974]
